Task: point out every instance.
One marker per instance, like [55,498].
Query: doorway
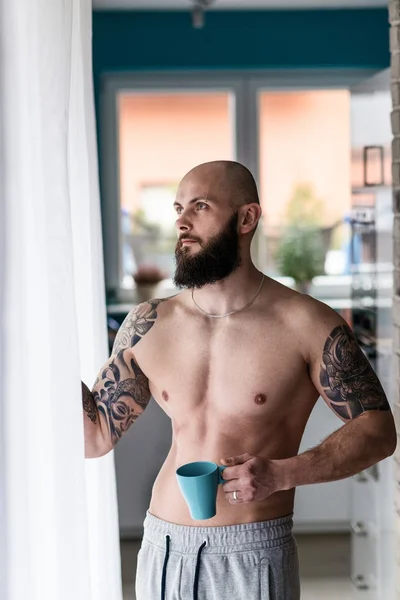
[303,138]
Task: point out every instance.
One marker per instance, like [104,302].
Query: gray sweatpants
[251,561]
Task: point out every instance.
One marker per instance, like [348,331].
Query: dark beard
[213,262]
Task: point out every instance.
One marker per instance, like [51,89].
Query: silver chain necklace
[232,311]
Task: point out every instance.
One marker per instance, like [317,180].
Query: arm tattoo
[121,391]
[121,400]
[138,322]
[89,405]
[349,381]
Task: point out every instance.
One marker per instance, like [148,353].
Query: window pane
[305,176]
[161,137]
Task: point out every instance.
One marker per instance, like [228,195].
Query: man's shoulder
[310,321]
[302,310]
[305,306]
[155,307]
[305,314]
[141,319]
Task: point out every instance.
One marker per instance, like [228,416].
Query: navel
[260,399]
[165,396]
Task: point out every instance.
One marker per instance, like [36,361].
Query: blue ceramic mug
[198,482]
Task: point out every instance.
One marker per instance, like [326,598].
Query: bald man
[237,361]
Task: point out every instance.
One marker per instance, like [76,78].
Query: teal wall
[139,41]
[239,40]
[153,40]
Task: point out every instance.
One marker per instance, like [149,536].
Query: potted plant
[301,249]
[301,255]
[147,278]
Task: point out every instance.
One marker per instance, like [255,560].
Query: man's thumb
[236,460]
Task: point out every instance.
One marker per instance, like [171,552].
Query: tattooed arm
[121,391]
[349,386]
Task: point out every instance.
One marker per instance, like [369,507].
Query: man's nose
[183,224]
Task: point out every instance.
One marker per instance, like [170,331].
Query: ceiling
[236,4]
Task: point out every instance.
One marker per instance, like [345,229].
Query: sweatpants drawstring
[196,573]
[164,571]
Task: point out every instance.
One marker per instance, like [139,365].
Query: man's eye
[201,204]
[178,210]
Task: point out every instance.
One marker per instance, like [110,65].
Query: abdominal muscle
[188,445]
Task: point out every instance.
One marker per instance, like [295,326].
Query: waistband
[221,539]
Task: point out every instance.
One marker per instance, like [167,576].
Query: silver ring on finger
[235,497]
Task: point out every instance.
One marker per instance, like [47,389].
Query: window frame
[244,86]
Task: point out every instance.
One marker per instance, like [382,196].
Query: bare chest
[240,370]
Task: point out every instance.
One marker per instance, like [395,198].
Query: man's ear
[249,215]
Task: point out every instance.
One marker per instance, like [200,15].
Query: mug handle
[220,480]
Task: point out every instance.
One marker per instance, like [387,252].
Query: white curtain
[58,512]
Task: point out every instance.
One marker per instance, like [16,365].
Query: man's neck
[231,293]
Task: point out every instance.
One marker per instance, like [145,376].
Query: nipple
[165,396]
[260,399]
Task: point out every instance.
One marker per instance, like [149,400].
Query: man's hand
[251,477]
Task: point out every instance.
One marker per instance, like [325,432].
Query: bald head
[231,177]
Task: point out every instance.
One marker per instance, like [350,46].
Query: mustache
[189,237]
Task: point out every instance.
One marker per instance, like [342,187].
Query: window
[162,135]
[298,143]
